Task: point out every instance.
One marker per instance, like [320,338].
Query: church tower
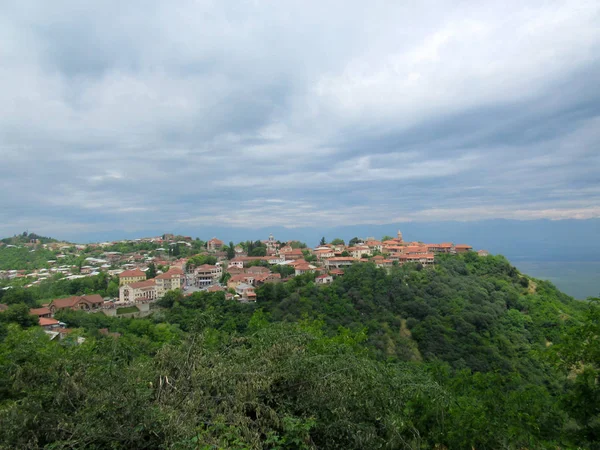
[400,236]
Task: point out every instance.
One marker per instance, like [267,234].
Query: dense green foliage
[26,238]
[471,354]
[102,284]
[25,258]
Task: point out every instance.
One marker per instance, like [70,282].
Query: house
[48,323]
[140,291]
[246,292]
[339,261]
[174,278]
[336,272]
[214,245]
[375,246]
[301,269]
[426,260]
[462,248]
[41,312]
[380,261]
[295,254]
[236,280]
[415,250]
[131,276]
[359,251]
[325,253]
[483,253]
[266,278]
[324,279]
[446,247]
[207,274]
[215,288]
[255,270]
[285,249]
[82,303]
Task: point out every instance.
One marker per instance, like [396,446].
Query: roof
[46,321]
[142,284]
[40,311]
[427,255]
[462,246]
[69,302]
[215,241]
[215,288]
[132,273]
[173,272]
[205,267]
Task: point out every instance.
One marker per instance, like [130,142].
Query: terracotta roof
[72,301]
[304,267]
[39,311]
[427,256]
[215,289]
[173,272]
[240,277]
[132,273]
[462,246]
[142,284]
[46,321]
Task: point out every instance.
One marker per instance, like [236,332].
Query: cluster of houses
[239,276]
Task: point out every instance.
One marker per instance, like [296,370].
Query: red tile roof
[142,284]
[40,311]
[46,321]
[132,273]
[69,302]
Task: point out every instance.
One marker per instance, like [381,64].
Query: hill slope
[472,354]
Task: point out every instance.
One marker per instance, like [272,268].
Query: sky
[161,115]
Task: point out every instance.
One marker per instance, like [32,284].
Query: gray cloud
[148,115]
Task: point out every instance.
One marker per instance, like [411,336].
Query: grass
[129,309]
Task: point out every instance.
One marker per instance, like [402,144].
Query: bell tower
[400,236]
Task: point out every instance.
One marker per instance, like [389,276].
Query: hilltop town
[148,268]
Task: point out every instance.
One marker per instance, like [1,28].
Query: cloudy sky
[141,114]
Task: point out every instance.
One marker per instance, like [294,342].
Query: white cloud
[327,112]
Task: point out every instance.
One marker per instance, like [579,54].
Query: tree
[151,272]
[353,241]
[230,250]
[386,238]
[19,313]
[338,241]
[579,355]
[323,241]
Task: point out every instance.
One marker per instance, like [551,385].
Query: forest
[469,354]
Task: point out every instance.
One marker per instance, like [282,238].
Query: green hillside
[471,354]
[26,238]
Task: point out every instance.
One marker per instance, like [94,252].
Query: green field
[127,310]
